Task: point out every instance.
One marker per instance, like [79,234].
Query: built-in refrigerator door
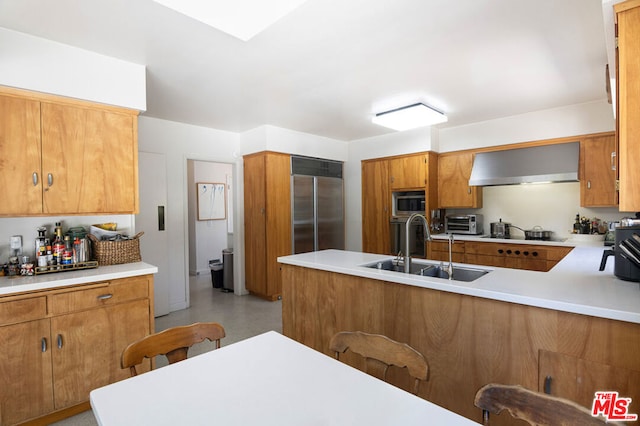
[330,213]
[302,214]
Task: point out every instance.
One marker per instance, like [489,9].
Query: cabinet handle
[535,253]
[547,385]
[613,160]
[526,253]
[105,296]
[262,211]
[508,251]
[34,177]
[43,343]
[469,190]
[59,341]
[49,179]
[500,251]
[588,184]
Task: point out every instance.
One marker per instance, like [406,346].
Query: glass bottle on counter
[58,245]
[67,253]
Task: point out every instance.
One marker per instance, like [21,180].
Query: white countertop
[20,284]
[573,285]
[268,379]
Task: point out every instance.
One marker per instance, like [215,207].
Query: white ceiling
[329,65]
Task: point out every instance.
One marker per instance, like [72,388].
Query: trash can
[216,273]
[227,260]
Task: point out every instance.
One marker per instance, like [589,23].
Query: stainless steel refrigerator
[317,204]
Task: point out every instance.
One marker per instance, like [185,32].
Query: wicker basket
[116,252]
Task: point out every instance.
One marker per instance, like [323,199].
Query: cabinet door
[25,371]
[454,171]
[578,379]
[20,176]
[628,26]
[278,220]
[89,160]
[407,172]
[598,181]
[376,207]
[87,347]
[255,224]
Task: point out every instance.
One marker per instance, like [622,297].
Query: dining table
[268,379]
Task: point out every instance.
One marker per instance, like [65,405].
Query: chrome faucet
[407,256]
[450,267]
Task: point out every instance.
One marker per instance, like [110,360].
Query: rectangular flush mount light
[409,117]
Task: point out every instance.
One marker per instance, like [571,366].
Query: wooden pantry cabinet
[628,103]
[61,156]
[267,220]
[454,171]
[60,344]
[376,207]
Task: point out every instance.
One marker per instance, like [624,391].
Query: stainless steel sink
[425,269]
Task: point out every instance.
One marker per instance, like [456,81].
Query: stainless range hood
[546,163]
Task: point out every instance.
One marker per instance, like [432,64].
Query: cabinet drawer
[22,310]
[116,292]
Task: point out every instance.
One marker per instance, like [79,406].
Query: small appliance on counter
[500,229]
[469,224]
[626,252]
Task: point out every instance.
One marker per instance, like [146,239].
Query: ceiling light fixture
[409,117]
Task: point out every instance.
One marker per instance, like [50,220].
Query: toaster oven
[463,224]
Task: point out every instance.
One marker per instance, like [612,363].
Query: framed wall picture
[211,201]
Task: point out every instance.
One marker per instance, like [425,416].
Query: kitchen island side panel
[468,341]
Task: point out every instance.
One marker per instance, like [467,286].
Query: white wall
[207,238]
[580,119]
[42,65]
[181,142]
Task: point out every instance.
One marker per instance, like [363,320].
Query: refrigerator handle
[315,213]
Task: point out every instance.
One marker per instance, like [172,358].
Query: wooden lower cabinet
[467,341]
[51,363]
[26,389]
[439,250]
[504,255]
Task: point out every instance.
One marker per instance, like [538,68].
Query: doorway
[208,235]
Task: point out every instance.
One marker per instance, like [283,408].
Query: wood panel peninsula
[570,331]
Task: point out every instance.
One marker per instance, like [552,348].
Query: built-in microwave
[406,203]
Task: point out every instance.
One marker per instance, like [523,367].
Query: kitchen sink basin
[425,269]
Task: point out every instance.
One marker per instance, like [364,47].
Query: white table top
[574,285]
[268,380]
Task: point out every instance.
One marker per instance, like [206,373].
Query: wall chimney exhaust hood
[546,163]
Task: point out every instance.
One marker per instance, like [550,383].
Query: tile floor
[241,316]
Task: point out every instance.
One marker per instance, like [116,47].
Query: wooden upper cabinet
[376,207]
[20,174]
[454,171]
[598,172]
[628,103]
[63,156]
[89,160]
[408,172]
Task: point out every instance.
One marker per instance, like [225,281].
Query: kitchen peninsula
[63,333]
[572,330]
